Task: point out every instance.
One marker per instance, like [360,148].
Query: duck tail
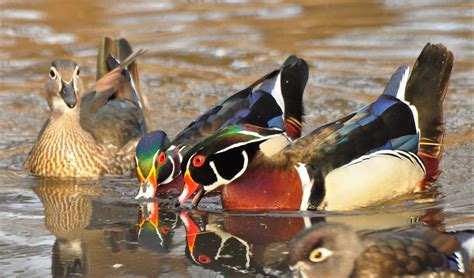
[118,52]
[426,90]
[293,79]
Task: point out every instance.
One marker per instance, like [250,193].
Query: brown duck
[337,250]
[93,133]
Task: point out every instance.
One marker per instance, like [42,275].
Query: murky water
[199,53]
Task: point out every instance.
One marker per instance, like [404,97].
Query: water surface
[199,53]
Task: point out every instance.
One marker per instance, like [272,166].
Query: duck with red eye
[158,164]
[226,157]
[354,162]
[274,101]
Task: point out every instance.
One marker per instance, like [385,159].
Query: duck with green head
[273,101]
[372,155]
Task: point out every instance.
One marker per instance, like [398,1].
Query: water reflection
[68,210]
[156,227]
[151,234]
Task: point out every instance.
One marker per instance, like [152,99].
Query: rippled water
[199,53]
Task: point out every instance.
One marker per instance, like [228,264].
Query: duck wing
[112,111]
[271,101]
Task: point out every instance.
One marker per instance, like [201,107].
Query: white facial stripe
[222,181]
[277,94]
[170,177]
[260,138]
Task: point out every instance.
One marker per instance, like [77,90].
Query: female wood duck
[336,250]
[364,158]
[275,100]
[91,134]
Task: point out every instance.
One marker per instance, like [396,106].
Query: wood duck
[275,100]
[365,158]
[238,244]
[91,134]
[337,250]
[156,227]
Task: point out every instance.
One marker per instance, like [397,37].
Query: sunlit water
[198,54]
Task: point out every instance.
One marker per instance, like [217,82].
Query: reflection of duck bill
[155,233]
[69,258]
[214,248]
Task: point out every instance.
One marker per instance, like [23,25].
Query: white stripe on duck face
[372,179]
[222,181]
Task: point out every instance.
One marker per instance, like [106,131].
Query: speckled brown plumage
[92,134]
[402,252]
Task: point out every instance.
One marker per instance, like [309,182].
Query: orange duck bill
[190,186]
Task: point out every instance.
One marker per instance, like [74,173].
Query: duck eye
[203,259]
[52,73]
[319,255]
[162,158]
[77,71]
[198,160]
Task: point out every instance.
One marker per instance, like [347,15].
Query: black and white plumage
[273,101]
[364,158]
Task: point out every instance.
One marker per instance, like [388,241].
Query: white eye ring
[53,74]
[319,254]
[77,71]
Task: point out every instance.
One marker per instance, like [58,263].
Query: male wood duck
[238,244]
[365,158]
[337,250]
[156,227]
[275,100]
[91,134]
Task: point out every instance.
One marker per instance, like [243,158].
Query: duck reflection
[67,209]
[249,244]
[156,227]
[241,244]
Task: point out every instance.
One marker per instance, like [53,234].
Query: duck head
[64,86]
[156,163]
[324,250]
[221,158]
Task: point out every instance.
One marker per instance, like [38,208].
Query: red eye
[165,230]
[198,160]
[162,158]
[203,259]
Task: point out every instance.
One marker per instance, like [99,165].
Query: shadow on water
[198,54]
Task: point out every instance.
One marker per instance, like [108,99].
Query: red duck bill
[190,186]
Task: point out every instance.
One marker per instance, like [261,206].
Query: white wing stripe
[404,155]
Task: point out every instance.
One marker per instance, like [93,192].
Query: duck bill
[192,229]
[68,94]
[147,189]
[190,186]
[148,185]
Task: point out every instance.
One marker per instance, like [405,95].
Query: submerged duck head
[64,86]
[153,163]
